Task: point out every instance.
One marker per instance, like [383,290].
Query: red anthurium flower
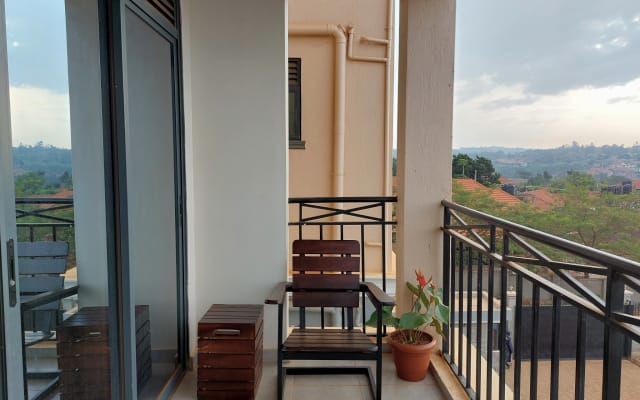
[422,282]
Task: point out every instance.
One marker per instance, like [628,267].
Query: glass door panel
[151,199]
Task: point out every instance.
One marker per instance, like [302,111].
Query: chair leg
[379,376]
[280,378]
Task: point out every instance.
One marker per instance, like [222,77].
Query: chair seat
[329,340]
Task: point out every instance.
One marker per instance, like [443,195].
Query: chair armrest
[277,294]
[376,294]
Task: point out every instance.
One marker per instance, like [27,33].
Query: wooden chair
[326,274]
[40,266]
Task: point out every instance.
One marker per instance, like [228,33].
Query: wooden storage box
[230,352]
[83,353]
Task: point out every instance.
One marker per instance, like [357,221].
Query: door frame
[121,289]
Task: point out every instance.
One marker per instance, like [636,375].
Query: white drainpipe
[388,98]
[339,93]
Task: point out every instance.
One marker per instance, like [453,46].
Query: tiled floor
[332,387]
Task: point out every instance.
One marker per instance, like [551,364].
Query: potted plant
[410,344]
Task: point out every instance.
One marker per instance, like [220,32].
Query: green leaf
[413,289]
[442,313]
[425,300]
[438,326]
[412,320]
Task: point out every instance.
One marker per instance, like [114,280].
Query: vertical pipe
[613,339]
[503,316]
[452,304]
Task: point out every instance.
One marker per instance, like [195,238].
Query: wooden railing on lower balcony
[557,305]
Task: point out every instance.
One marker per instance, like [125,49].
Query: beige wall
[367,144]
[310,172]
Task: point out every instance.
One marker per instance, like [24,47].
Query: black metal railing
[40,218]
[43,219]
[365,219]
[501,277]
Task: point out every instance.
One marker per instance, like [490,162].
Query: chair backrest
[40,266]
[331,268]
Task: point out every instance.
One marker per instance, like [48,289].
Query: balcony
[571,311]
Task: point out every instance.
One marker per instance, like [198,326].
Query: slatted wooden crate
[83,353]
[230,352]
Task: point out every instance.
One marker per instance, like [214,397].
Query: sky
[38,78]
[546,73]
[535,74]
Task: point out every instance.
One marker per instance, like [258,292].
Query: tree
[30,183]
[480,169]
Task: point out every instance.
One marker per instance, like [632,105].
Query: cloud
[39,114]
[549,46]
[506,115]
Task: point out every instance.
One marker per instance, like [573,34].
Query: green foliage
[480,168]
[601,220]
[427,309]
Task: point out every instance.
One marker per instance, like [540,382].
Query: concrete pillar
[425,110]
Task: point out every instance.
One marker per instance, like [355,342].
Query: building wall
[367,141]
[310,172]
[235,116]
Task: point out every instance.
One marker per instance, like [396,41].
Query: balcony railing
[565,304]
[366,219]
[40,218]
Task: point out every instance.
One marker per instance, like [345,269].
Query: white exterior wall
[425,112]
[85,100]
[235,56]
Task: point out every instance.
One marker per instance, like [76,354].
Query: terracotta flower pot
[412,360]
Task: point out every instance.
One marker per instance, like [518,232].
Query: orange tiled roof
[498,195]
[542,198]
[635,183]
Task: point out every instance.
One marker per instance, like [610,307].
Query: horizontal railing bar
[559,265]
[43,200]
[353,199]
[468,227]
[601,257]
[335,212]
[45,224]
[47,297]
[626,318]
[351,223]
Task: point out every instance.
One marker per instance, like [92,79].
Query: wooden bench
[41,266]
[326,274]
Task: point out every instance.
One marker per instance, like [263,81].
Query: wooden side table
[230,352]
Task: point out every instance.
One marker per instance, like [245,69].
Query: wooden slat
[326,281]
[329,340]
[43,249]
[42,265]
[39,284]
[335,264]
[351,247]
[326,299]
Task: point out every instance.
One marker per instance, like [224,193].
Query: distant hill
[53,161]
[603,162]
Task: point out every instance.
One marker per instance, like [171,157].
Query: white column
[425,109]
